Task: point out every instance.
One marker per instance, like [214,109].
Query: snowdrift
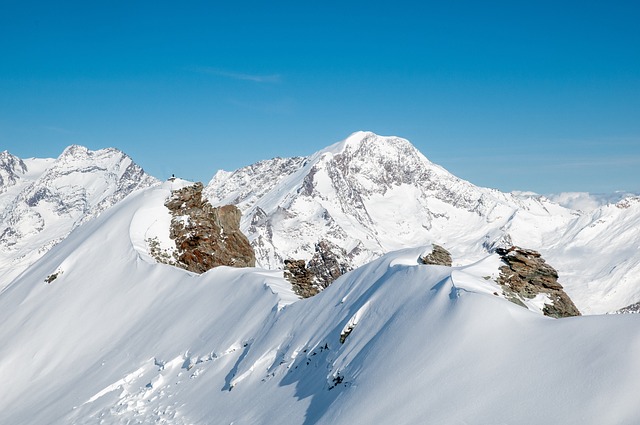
[116,339]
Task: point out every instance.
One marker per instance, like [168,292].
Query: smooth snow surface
[116,339]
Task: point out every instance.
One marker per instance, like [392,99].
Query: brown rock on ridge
[438,256]
[206,237]
[327,264]
[526,274]
[301,278]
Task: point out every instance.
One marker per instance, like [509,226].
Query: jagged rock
[296,272]
[526,274]
[328,263]
[630,309]
[438,256]
[206,237]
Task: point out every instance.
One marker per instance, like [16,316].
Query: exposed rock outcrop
[630,309]
[438,256]
[206,237]
[328,263]
[526,274]
[296,272]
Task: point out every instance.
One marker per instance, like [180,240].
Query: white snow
[116,339]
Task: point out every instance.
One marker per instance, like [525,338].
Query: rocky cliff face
[527,275]
[206,237]
[301,278]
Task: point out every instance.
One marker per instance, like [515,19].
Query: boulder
[206,237]
[438,256]
[526,274]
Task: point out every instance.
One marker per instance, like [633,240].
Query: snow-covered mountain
[369,195]
[42,200]
[113,337]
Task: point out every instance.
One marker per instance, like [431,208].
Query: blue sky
[541,96]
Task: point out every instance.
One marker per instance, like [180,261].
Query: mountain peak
[79,151]
[340,193]
[74,149]
[11,167]
[367,140]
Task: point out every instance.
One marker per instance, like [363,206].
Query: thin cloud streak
[272,79]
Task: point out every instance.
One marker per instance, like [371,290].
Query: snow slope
[42,200]
[371,195]
[119,339]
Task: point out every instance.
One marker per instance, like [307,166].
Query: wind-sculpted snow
[42,200]
[117,338]
[370,195]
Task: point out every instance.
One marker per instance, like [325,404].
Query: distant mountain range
[359,198]
[43,200]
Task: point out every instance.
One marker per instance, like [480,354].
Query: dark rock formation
[296,272]
[630,309]
[526,274]
[205,236]
[328,263]
[438,256]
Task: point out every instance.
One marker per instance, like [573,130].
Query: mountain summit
[368,194]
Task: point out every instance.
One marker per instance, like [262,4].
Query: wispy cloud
[256,78]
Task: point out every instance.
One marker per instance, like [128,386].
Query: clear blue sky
[541,96]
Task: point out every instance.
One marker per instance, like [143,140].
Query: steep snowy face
[368,195]
[44,199]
